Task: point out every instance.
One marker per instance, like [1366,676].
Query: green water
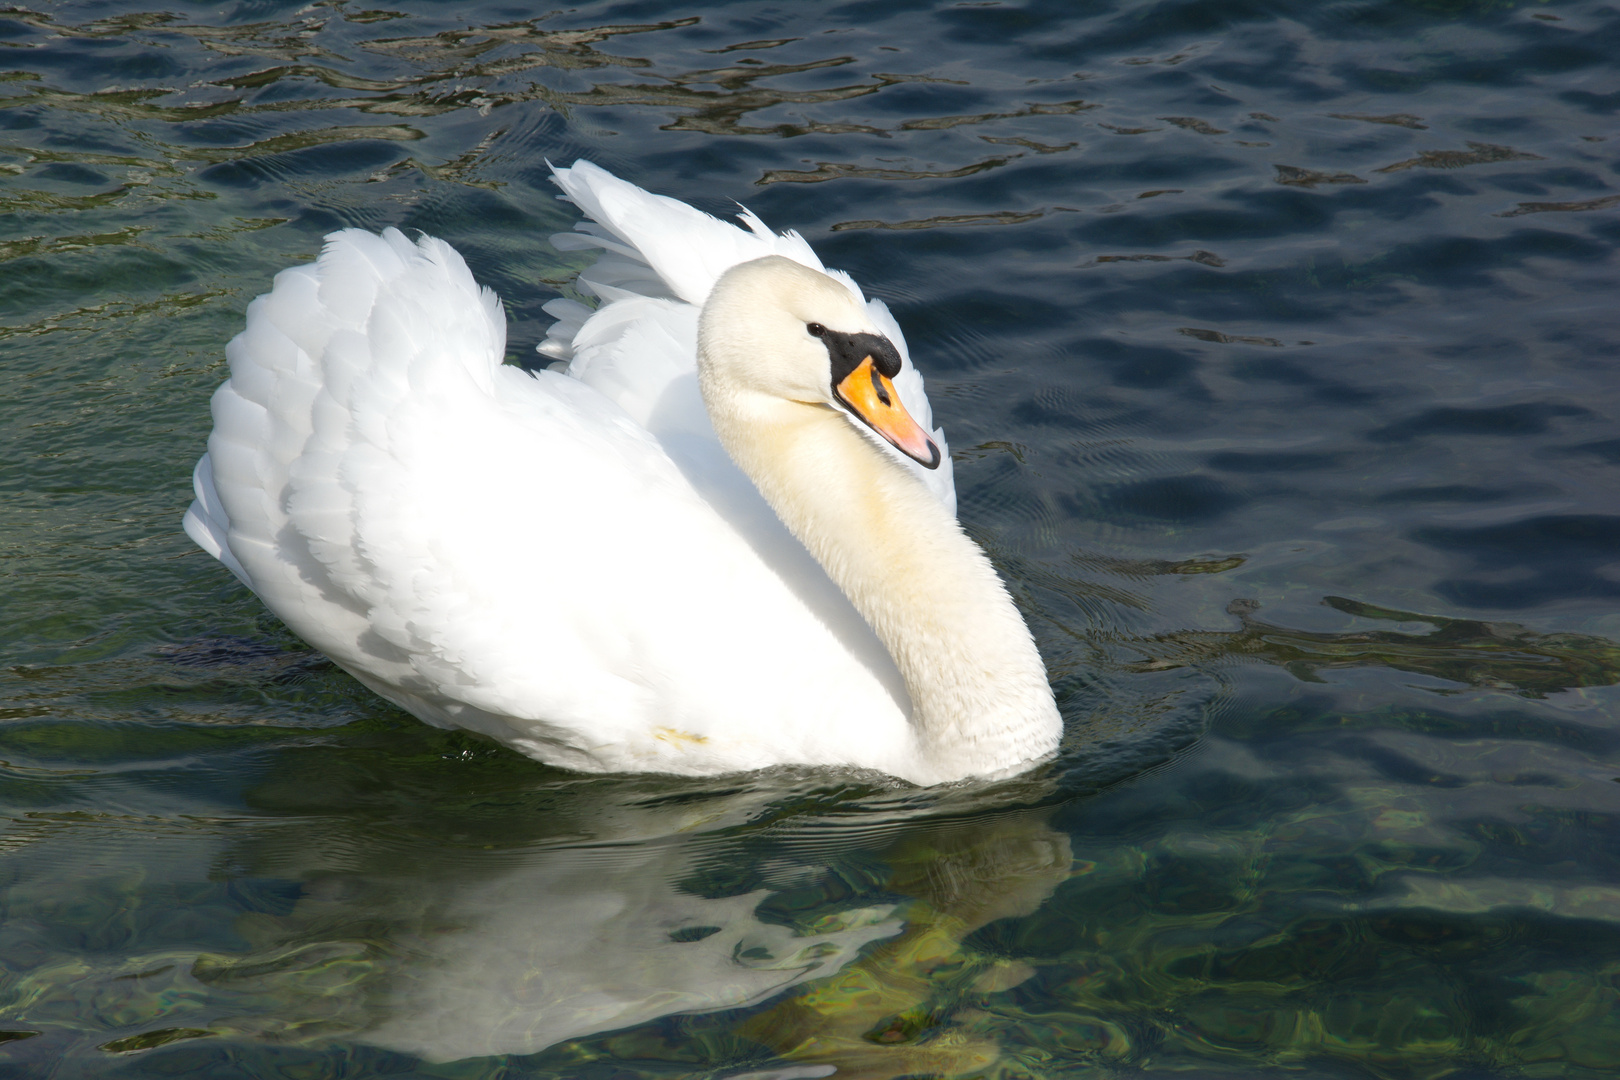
[1275,343]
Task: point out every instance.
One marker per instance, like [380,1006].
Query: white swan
[569,561]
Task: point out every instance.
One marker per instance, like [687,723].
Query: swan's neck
[978,688]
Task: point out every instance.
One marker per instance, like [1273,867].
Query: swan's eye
[815,329]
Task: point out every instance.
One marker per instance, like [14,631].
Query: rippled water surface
[1276,341]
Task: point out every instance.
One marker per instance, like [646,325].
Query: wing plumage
[516,553]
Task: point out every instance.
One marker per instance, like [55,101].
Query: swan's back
[518,554]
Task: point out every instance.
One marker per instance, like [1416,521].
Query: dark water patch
[1457,262]
[938,322]
[1007,498]
[1453,493]
[1263,215]
[1262,462]
[67,741]
[1394,765]
[1270,732]
[1074,409]
[1289,373]
[1173,498]
[1270,369]
[113,61]
[232,652]
[1497,126]
[1524,563]
[1596,103]
[70,174]
[334,159]
[1166,25]
[1503,421]
[116,263]
[1135,365]
[1607,449]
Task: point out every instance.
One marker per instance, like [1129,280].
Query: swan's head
[778,328]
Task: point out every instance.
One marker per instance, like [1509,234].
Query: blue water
[1275,342]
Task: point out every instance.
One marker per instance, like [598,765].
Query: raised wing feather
[655,246]
[687,249]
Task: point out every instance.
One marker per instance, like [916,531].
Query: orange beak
[869,394]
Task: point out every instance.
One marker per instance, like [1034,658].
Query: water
[1275,340]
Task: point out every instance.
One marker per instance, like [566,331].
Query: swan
[715,535]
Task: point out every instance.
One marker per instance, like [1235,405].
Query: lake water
[1276,343]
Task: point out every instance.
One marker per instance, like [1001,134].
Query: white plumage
[567,561]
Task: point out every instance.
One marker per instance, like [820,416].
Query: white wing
[512,553]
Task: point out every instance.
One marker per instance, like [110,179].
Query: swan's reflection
[874,1020]
[572,943]
[655,905]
